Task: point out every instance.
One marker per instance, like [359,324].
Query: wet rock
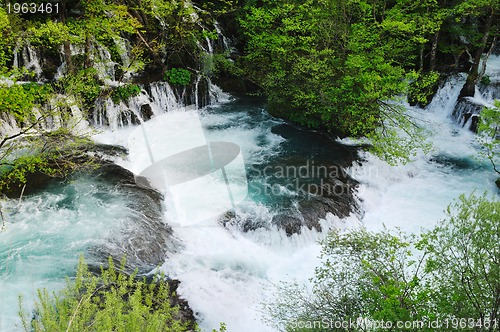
[318,189]
[185,313]
[290,224]
[145,238]
[467,112]
[129,118]
[85,155]
[146,112]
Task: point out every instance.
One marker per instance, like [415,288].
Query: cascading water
[27,57]
[227,271]
[468,109]
[45,233]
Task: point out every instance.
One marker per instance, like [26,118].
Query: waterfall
[226,44]
[8,124]
[154,99]
[61,70]
[105,66]
[28,58]
[467,110]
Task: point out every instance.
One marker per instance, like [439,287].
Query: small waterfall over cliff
[26,56]
[467,110]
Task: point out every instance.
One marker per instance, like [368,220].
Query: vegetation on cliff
[337,65]
[112,301]
[446,279]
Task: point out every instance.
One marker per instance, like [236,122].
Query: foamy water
[226,273]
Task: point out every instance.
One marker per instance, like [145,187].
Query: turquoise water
[47,232]
[226,273]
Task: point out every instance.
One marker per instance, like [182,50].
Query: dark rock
[491,90]
[231,219]
[331,190]
[50,61]
[145,238]
[227,218]
[473,123]
[291,225]
[109,150]
[146,112]
[152,73]
[203,94]
[467,112]
[236,86]
[85,155]
[454,162]
[497,182]
[129,118]
[185,313]
[35,183]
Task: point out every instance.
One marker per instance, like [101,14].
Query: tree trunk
[66,44]
[67,57]
[473,76]
[88,50]
[483,65]
[421,57]
[432,64]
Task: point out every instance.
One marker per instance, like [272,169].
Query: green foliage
[363,274]
[49,34]
[4,40]
[112,301]
[83,85]
[449,273]
[423,88]
[54,154]
[178,76]
[332,65]
[488,134]
[464,260]
[219,64]
[485,80]
[15,174]
[125,92]
[20,99]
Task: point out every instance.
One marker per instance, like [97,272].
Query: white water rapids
[226,273]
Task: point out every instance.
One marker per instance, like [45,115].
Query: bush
[485,80]
[422,90]
[125,92]
[84,85]
[48,155]
[450,274]
[112,301]
[178,76]
[464,262]
[19,99]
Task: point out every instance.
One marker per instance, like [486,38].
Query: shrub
[112,301]
[178,76]
[125,92]
[84,85]
[19,99]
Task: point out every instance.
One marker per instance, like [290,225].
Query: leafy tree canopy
[448,274]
